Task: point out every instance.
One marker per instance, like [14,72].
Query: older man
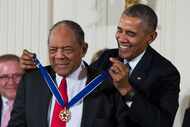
[10,76]
[36,107]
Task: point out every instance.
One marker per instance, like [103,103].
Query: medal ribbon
[49,81]
[89,88]
[83,93]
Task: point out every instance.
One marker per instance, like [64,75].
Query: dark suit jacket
[156,82]
[1,106]
[101,108]
[186,120]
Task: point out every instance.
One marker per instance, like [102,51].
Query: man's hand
[119,73]
[26,60]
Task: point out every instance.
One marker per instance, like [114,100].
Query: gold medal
[65,115]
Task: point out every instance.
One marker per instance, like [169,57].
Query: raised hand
[120,74]
[26,60]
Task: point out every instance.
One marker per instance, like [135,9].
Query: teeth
[124,46]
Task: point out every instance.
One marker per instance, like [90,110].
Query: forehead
[130,22]
[62,33]
[9,67]
[62,36]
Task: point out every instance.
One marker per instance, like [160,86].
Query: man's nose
[60,54]
[11,80]
[122,37]
[123,40]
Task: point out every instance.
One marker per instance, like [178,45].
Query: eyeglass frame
[15,77]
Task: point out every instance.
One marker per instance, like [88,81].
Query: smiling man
[10,76]
[148,82]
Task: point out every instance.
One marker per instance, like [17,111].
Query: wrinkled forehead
[127,19]
[133,21]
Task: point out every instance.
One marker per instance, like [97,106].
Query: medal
[65,115]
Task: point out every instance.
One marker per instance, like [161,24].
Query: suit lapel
[45,102]
[139,73]
[46,97]
[88,114]
[1,106]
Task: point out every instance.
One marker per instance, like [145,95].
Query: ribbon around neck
[55,91]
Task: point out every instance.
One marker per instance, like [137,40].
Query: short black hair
[145,13]
[75,27]
[9,57]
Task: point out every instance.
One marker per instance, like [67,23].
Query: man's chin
[62,73]
[10,96]
[124,55]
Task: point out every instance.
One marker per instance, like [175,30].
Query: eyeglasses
[7,77]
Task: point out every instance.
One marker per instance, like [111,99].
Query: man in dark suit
[10,76]
[34,105]
[150,86]
[147,82]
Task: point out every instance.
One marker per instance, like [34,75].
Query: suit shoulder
[35,72]
[103,62]
[110,52]
[163,64]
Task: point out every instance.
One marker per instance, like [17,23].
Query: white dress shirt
[134,61]
[75,83]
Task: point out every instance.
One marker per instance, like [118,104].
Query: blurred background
[24,24]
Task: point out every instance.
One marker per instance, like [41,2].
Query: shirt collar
[132,63]
[78,74]
[5,100]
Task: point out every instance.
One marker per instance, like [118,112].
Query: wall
[24,24]
[181,55]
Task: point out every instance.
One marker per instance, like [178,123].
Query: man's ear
[84,48]
[151,37]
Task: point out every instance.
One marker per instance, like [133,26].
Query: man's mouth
[62,65]
[11,88]
[124,46]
